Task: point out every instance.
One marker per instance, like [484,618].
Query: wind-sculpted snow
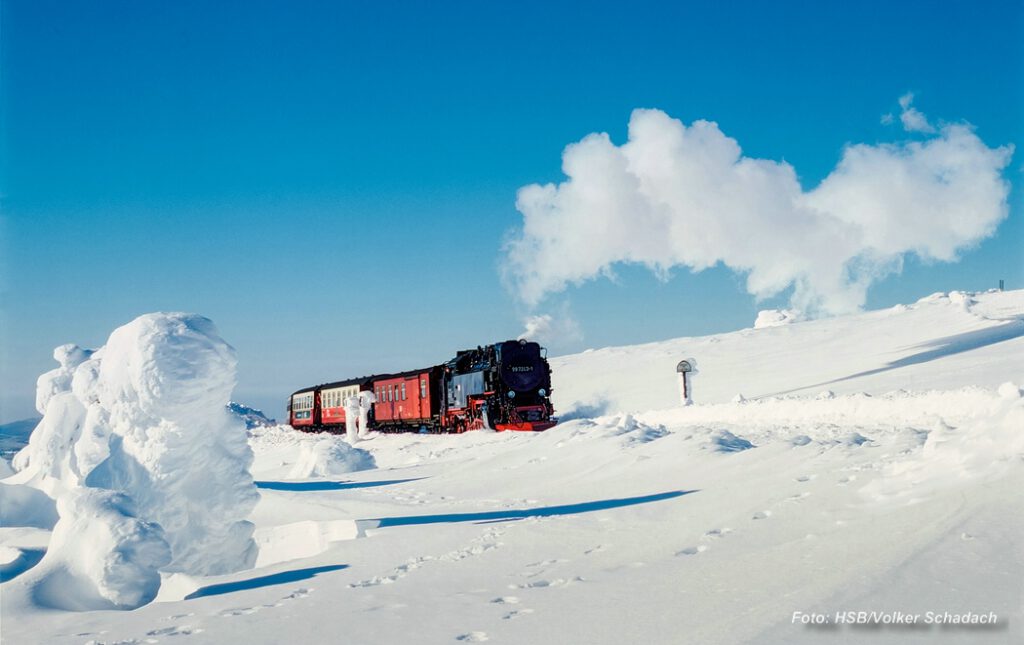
[776,317]
[329,456]
[144,419]
[69,356]
[101,555]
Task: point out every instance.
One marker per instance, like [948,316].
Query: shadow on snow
[263,581]
[514,514]
[25,561]
[938,348]
[324,485]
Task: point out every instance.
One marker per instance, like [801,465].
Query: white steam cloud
[551,330]
[685,196]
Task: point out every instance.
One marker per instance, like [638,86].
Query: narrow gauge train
[505,386]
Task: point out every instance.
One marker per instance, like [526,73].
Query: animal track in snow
[761,515]
[804,478]
[715,534]
[596,549]
[506,600]
[472,637]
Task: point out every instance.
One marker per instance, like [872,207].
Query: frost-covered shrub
[144,418]
[160,392]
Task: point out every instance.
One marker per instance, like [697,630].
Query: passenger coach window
[403,391]
[423,388]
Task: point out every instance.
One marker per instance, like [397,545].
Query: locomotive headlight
[511,394]
[542,392]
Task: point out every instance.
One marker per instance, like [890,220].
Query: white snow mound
[776,317]
[101,556]
[329,456]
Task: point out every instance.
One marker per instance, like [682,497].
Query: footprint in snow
[546,584]
[506,600]
[473,637]
[715,534]
[177,630]
[798,497]
[241,611]
[693,550]
[761,515]
[804,478]
[846,480]
[596,549]
[516,614]
[301,592]
[544,563]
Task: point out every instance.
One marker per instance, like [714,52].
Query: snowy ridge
[980,337]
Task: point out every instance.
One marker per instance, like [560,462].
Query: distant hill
[943,341]
[14,436]
[253,418]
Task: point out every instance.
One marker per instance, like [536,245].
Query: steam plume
[685,196]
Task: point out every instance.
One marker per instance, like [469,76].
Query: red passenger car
[407,400]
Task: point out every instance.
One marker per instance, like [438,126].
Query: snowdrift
[329,456]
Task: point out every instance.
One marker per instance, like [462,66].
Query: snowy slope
[942,341]
[706,524]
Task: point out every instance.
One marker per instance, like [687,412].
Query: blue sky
[252,161]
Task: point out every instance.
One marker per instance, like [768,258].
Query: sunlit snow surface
[873,462]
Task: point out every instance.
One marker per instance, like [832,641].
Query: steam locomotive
[504,386]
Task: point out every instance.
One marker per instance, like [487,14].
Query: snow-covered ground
[873,463]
